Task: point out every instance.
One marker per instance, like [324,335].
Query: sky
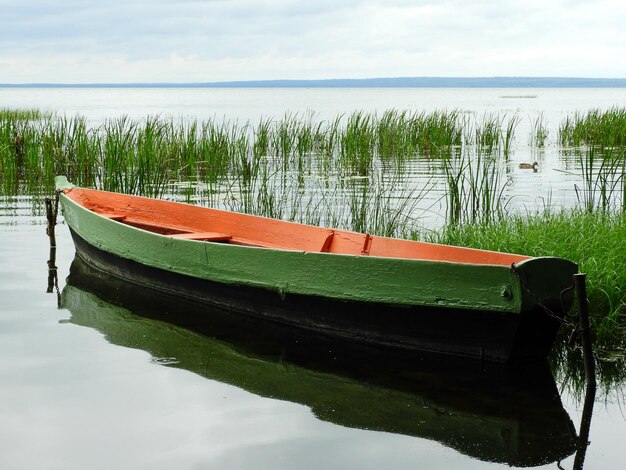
[121,41]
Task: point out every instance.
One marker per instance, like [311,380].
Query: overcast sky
[215,40]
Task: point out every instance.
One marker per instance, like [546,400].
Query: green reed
[488,132]
[328,138]
[508,134]
[475,187]
[393,135]
[438,130]
[538,131]
[22,114]
[128,155]
[603,175]
[595,127]
[262,133]
[358,143]
[401,135]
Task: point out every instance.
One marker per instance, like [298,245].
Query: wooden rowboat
[466,302]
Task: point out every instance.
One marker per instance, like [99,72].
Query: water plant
[475,188]
[603,175]
[508,134]
[538,131]
[438,131]
[20,114]
[606,128]
[488,132]
[358,143]
[126,155]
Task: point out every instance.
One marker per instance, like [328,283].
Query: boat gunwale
[283,249]
[371,284]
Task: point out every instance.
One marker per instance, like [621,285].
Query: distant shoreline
[401,82]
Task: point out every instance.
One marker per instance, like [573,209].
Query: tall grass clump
[132,156]
[491,132]
[136,157]
[358,143]
[488,132]
[402,135]
[595,127]
[21,114]
[538,131]
[69,147]
[19,159]
[509,134]
[118,164]
[328,138]
[438,131]
[393,136]
[594,240]
[475,188]
[603,174]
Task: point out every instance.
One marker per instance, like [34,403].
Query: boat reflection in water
[496,414]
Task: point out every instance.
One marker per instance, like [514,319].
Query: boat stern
[546,288]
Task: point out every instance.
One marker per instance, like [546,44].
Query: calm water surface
[93,378]
[250,104]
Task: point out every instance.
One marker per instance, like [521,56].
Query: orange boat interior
[189,222]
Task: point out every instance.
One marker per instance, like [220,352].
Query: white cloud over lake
[197,41]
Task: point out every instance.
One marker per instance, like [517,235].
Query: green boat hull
[482,311]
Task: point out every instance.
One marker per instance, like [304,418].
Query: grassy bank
[596,241]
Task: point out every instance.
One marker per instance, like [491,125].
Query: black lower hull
[492,336]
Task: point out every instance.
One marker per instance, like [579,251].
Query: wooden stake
[585,329]
[51,216]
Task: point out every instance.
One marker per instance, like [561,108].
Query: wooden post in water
[585,329]
[51,216]
[52,221]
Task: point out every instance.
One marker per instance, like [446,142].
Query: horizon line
[383,82]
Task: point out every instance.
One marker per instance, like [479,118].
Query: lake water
[93,378]
[250,104]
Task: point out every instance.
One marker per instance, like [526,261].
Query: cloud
[245,39]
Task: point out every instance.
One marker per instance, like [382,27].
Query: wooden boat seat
[319,243]
[316,244]
[112,216]
[203,236]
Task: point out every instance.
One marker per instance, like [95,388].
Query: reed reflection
[585,427]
